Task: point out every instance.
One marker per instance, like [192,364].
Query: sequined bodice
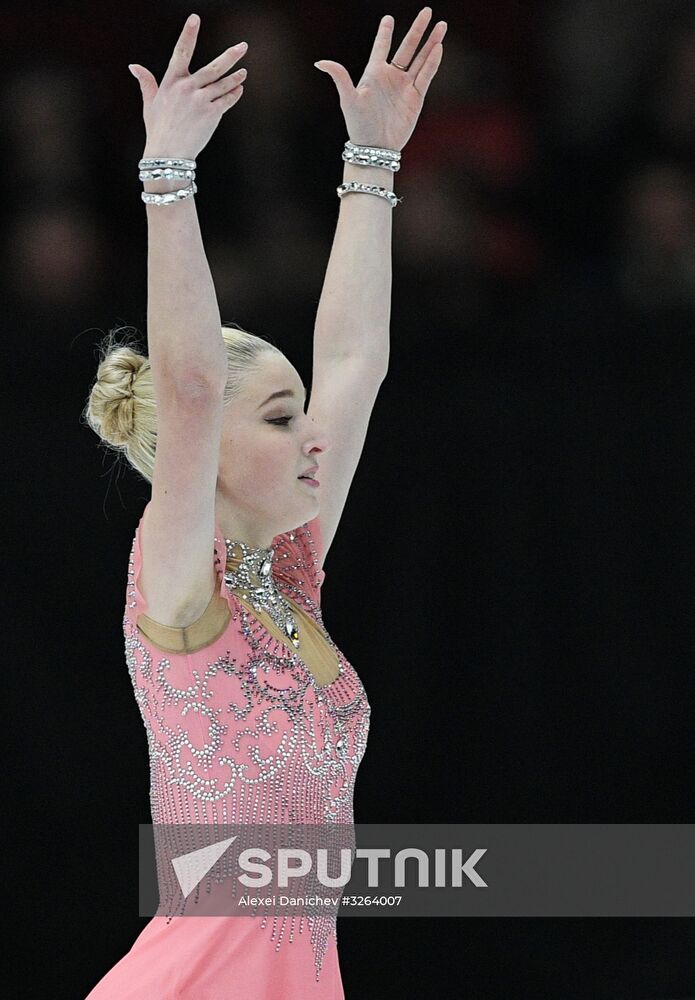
[240,731]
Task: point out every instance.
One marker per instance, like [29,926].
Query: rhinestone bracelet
[372,156]
[167,174]
[180,168]
[382,192]
[166,161]
[167,197]
[153,168]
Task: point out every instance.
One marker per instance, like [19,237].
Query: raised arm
[382,111]
[186,349]
[351,335]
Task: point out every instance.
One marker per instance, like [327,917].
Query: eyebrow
[280,394]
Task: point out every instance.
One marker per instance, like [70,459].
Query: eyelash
[280,420]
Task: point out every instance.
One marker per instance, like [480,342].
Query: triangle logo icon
[191,868]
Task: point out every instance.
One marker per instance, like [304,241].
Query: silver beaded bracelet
[165,173]
[349,186]
[178,168]
[166,161]
[155,168]
[372,156]
[150,198]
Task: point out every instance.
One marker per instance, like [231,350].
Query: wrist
[157,149]
[381,176]
[162,186]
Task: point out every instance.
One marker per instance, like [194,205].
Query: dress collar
[248,565]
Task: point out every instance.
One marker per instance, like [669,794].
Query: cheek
[257,462]
[267,474]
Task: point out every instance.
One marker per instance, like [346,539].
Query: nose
[317,441]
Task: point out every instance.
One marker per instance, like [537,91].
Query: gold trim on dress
[189,638]
[315,650]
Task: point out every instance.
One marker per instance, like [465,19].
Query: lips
[309,473]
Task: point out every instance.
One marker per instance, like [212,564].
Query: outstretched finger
[214,70]
[382,42]
[406,50]
[183,50]
[431,65]
[436,35]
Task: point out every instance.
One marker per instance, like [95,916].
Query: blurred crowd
[550,184]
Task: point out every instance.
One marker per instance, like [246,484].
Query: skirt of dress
[220,958]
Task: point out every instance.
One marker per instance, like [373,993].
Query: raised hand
[384,107]
[183,111]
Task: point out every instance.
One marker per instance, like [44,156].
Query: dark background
[513,575]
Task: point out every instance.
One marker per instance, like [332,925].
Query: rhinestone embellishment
[254,576]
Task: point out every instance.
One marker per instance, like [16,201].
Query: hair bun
[113,399]
[122,404]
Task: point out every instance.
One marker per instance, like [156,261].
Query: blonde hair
[122,409]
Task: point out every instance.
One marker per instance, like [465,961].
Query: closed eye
[279,420]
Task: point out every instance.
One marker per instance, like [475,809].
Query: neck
[234,525]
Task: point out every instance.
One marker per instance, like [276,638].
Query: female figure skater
[252,714]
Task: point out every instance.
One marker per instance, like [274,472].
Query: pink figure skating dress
[241,730]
